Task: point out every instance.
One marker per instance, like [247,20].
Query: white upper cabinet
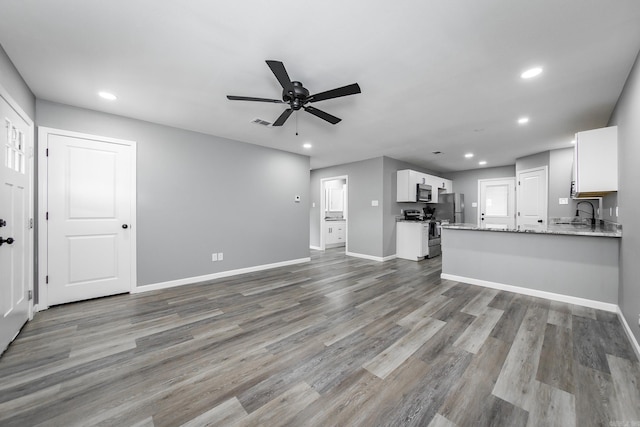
[407,181]
[595,167]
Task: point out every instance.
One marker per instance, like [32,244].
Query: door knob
[3,223]
[540,221]
[8,240]
[125,226]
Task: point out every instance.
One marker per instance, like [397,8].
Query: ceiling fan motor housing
[299,96]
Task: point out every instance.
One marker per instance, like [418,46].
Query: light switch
[374,203]
[563,201]
[474,204]
[313,205]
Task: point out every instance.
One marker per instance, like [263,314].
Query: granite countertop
[557,226]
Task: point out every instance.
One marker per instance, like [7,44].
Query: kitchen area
[430,203]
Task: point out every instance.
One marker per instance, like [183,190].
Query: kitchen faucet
[593,212]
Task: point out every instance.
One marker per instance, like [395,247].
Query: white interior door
[532,198]
[15,227]
[90,209]
[497,203]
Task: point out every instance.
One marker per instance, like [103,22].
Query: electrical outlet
[214,257]
[220,256]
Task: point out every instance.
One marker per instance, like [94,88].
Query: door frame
[43,190]
[31,196]
[346,209]
[512,201]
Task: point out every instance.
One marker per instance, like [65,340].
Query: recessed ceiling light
[307,145]
[532,72]
[523,120]
[468,155]
[482,162]
[107,95]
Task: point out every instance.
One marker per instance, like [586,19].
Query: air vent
[261,122]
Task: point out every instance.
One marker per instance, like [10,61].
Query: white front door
[532,198]
[15,228]
[497,203]
[90,210]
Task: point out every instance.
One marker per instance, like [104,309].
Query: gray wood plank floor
[338,341]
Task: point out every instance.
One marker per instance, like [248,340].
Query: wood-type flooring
[338,341]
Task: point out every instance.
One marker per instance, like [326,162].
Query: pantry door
[90,216]
[16,231]
[532,198]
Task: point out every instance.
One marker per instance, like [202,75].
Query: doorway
[497,203]
[16,219]
[334,218]
[87,216]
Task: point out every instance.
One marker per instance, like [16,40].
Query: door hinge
[30,223]
[47,152]
[46,280]
[46,216]
[518,182]
[518,213]
[30,295]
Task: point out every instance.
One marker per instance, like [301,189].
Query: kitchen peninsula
[567,261]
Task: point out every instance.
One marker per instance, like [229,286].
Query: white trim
[213,276]
[627,329]
[43,189]
[534,293]
[370,257]
[315,248]
[30,158]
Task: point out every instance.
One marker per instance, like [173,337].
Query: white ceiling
[435,75]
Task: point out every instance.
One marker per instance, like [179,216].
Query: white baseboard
[535,293]
[371,257]
[315,248]
[213,276]
[627,329]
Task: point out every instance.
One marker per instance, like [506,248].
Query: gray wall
[370,229]
[466,182]
[560,166]
[627,117]
[364,222]
[199,194]
[12,81]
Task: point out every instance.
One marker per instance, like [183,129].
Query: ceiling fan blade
[324,116]
[283,117]
[351,89]
[280,72]
[248,98]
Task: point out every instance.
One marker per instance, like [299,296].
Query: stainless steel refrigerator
[450,207]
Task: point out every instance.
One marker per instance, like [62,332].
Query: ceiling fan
[297,96]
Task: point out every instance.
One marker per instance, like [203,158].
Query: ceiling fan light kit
[297,96]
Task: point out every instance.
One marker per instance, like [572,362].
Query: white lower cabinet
[334,233]
[412,240]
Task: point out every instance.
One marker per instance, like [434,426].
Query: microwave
[423,193]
